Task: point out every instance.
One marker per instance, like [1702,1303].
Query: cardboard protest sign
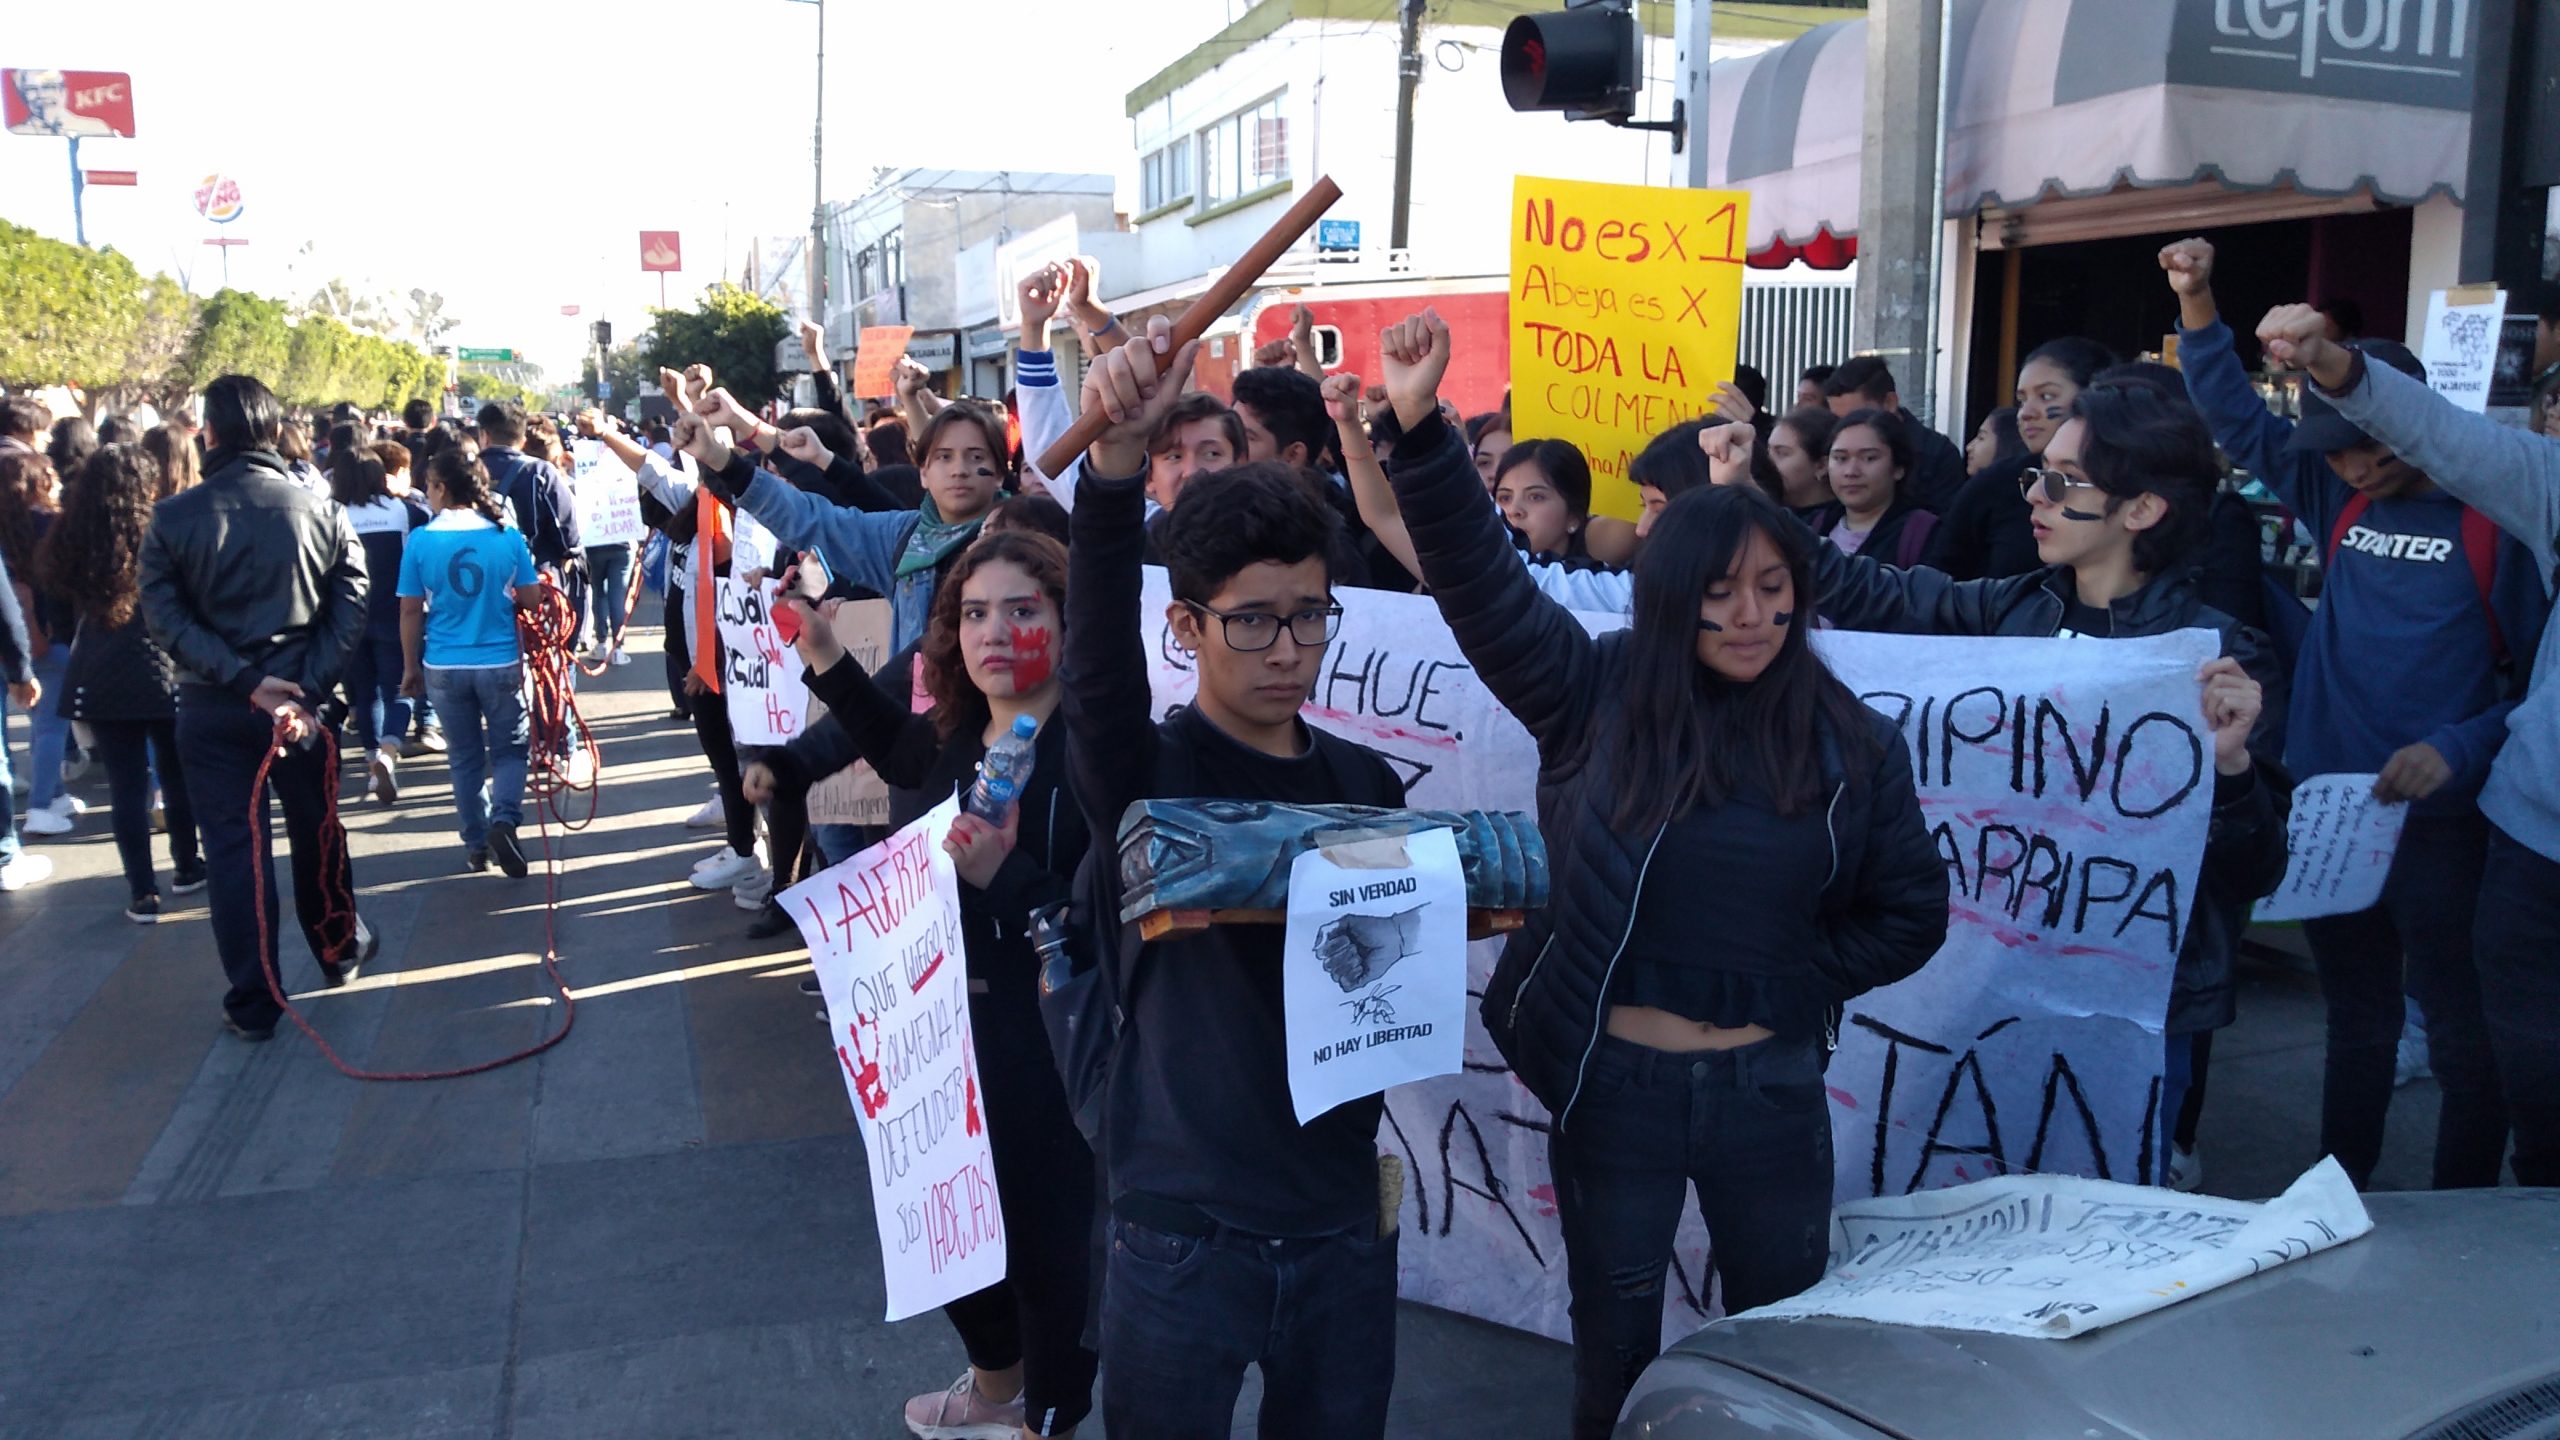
[608,497]
[2053,1256]
[855,795]
[876,353]
[884,936]
[1626,308]
[760,675]
[1374,977]
[2460,344]
[2342,841]
[2082,1003]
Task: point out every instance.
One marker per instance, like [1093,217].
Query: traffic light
[602,330]
[1582,61]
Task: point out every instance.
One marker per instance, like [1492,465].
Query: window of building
[1244,152]
[1164,177]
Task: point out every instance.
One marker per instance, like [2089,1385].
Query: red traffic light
[1582,60]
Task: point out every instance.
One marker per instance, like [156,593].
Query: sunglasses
[2053,483]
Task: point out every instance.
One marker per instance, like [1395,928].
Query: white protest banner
[884,936]
[760,675]
[1479,1232]
[751,546]
[2067,784]
[2459,347]
[2053,1256]
[2342,841]
[607,495]
[1374,967]
[855,795]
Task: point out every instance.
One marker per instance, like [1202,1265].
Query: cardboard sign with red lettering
[1626,309]
[876,353]
[884,935]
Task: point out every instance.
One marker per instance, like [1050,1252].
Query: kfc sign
[77,104]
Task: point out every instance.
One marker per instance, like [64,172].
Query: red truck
[1349,317]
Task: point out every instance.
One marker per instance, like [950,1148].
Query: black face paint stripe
[1783,619]
[1705,624]
[2070,514]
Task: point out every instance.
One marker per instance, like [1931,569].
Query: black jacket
[249,575]
[545,506]
[2244,848]
[1984,534]
[1937,467]
[1894,532]
[116,673]
[17,651]
[1884,911]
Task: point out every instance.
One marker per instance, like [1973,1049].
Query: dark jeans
[127,747]
[720,747]
[221,739]
[2425,915]
[2517,948]
[1035,1316]
[1182,1316]
[679,658]
[375,705]
[1751,1128]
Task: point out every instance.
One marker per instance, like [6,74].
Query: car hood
[2454,1298]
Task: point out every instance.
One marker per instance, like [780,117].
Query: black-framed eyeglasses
[1251,630]
[2054,483]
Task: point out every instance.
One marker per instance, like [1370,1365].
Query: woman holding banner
[989,657]
[1677,1031]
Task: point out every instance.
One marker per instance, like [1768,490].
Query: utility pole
[1408,80]
[2513,157]
[1899,196]
[1695,20]
[818,186]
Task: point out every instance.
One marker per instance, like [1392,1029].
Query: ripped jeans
[1752,1128]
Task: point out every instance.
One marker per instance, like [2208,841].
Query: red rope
[546,633]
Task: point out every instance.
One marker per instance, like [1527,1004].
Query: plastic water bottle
[1003,773]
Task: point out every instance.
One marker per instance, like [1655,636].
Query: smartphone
[807,573]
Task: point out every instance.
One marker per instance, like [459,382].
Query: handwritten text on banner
[1626,308]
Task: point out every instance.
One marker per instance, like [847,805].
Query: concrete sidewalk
[660,1228]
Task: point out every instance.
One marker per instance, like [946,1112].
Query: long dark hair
[93,555]
[357,476]
[27,480]
[457,470]
[1692,737]
[181,464]
[959,706]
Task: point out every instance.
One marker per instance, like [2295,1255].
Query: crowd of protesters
[167,588]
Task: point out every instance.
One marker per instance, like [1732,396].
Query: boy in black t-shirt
[1237,1236]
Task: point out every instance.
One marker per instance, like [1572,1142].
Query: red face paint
[1032,665]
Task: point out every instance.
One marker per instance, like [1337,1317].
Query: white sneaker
[2185,1170]
[2412,1061]
[751,893]
[582,765]
[28,869]
[961,1413]
[619,658]
[709,817]
[728,870]
[47,821]
[69,805]
[721,855]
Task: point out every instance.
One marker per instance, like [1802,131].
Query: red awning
[1825,251]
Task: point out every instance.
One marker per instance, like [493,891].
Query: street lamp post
[818,180]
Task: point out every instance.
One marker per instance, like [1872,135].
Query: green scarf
[935,539]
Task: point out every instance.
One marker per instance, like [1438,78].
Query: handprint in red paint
[864,1066]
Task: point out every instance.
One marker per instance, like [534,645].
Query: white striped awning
[2050,98]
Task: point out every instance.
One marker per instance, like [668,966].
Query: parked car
[2442,1324]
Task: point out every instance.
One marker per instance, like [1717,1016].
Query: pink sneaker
[961,1413]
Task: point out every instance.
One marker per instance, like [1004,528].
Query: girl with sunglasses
[2119,502]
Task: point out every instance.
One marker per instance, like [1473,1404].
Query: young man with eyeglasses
[1237,1236]
[2408,670]
[2119,509]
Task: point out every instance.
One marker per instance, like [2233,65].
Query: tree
[238,333]
[427,321]
[480,387]
[731,331]
[67,314]
[315,362]
[154,369]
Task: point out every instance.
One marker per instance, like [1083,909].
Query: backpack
[1914,540]
[1086,1003]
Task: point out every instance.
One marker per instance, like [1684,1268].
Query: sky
[507,155]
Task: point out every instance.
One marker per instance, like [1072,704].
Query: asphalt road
[660,1228]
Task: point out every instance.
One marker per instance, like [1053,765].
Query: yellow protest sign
[1626,307]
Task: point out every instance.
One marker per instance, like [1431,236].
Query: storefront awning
[2051,98]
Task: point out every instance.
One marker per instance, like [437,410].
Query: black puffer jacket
[1884,910]
[249,575]
[116,673]
[2244,848]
